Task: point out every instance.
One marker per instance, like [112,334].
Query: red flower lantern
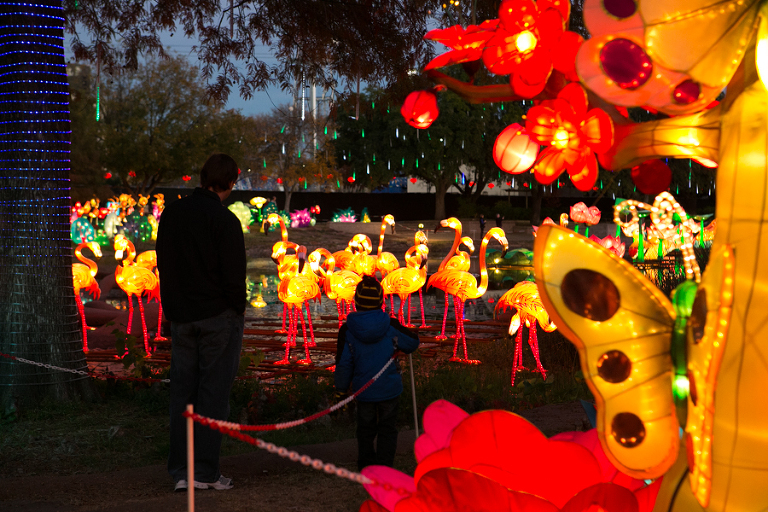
[467,45]
[491,185]
[420,109]
[132,174]
[528,36]
[279,181]
[264,178]
[514,151]
[186,177]
[652,177]
[573,135]
[351,179]
[414,180]
[107,175]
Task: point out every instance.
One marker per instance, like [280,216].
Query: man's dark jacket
[201,258]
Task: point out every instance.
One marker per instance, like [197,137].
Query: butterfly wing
[622,326]
[721,31]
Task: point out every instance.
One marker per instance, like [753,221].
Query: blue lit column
[38,316]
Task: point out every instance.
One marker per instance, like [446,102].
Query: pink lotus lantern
[581,214]
[612,243]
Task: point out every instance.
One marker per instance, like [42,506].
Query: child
[367,340]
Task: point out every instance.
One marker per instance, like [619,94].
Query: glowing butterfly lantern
[468,463]
[652,177]
[514,150]
[420,109]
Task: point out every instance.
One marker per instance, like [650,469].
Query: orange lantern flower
[467,44]
[528,37]
[514,151]
[420,109]
[583,215]
[573,135]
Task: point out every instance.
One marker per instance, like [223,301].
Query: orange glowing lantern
[514,151]
[420,109]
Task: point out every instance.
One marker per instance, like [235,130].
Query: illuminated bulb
[561,138]
[525,41]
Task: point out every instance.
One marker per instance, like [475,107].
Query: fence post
[190,460]
[413,395]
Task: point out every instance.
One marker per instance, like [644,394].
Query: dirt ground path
[263,482]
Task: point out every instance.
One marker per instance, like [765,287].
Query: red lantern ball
[107,175]
[514,151]
[491,185]
[414,180]
[420,109]
[652,177]
[186,177]
[351,179]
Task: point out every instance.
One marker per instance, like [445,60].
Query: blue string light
[48,16]
[41,6]
[34,43]
[31,72]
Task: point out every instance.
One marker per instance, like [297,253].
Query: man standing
[482,225]
[201,258]
[499,220]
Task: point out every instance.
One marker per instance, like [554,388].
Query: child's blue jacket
[368,339]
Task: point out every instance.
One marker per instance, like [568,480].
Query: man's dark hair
[218,172]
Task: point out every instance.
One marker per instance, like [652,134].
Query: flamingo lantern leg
[283,331]
[81,309]
[421,303]
[517,360]
[409,324]
[144,326]
[533,342]
[306,360]
[159,336]
[291,320]
[442,335]
[338,310]
[312,342]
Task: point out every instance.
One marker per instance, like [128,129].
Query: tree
[38,316]
[323,42]
[158,124]
[297,152]
[456,151]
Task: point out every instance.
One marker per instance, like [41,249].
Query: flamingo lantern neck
[125,245]
[499,235]
[95,248]
[272,218]
[454,224]
[387,220]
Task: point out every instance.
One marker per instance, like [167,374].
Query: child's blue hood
[368,326]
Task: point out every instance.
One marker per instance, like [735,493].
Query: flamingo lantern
[296,291]
[148,260]
[84,278]
[363,263]
[338,286]
[357,244]
[404,281]
[287,264]
[133,280]
[420,238]
[386,262]
[463,285]
[525,299]
[454,260]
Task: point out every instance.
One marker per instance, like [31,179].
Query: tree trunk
[38,317]
[440,190]
[288,194]
[537,196]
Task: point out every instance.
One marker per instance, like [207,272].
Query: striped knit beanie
[369,294]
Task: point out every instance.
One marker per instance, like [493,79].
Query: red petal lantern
[420,109]
[414,180]
[279,181]
[652,177]
[491,185]
[514,151]
[186,177]
[351,179]
[107,175]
